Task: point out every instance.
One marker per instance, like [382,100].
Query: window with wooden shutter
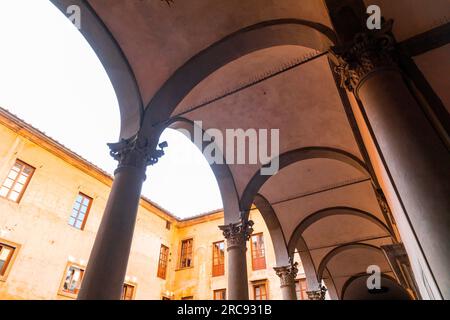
[220,294]
[258,252]
[162,264]
[300,289]
[186,254]
[218,259]
[260,291]
[128,291]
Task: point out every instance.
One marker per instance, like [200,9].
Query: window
[220,294]
[80,211]
[128,291]
[162,264]
[72,280]
[260,291]
[186,253]
[16,182]
[218,259]
[258,252]
[300,289]
[168,225]
[188,298]
[8,251]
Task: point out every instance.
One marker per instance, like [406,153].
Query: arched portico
[160,69]
[293,156]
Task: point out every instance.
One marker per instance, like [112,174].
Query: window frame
[303,294]
[88,209]
[254,268]
[166,262]
[258,284]
[129,284]
[25,185]
[214,266]
[11,259]
[224,290]
[61,291]
[180,258]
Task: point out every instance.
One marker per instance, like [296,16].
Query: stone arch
[323,213]
[296,155]
[275,230]
[308,264]
[330,255]
[222,173]
[244,41]
[115,63]
[385,280]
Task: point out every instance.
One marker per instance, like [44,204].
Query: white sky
[51,78]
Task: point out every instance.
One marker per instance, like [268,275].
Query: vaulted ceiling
[261,64]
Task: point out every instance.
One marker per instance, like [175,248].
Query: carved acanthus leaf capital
[287,274]
[237,234]
[369,52]
[136,152]
[317,294]
[382,201]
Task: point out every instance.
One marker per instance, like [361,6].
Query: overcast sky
[51,78]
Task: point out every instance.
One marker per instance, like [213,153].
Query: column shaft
[107,266]
[237,273]
[105,272]
[415,156]
[237,235]
[418,163]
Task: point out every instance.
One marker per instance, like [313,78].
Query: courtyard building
[51,204]
[361,193]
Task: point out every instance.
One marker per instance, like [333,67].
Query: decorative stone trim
[384,206]
[136,152]
[398,259]
[369,52]
[237,233]
[287,274]
[317,294]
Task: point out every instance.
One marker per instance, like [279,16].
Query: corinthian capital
[317,294]
[136,151]
[287,274]
[237,233]
[369,52]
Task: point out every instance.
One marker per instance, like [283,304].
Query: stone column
[237,234]
[415,156]
[105,272]
[318,294]
[287,276]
